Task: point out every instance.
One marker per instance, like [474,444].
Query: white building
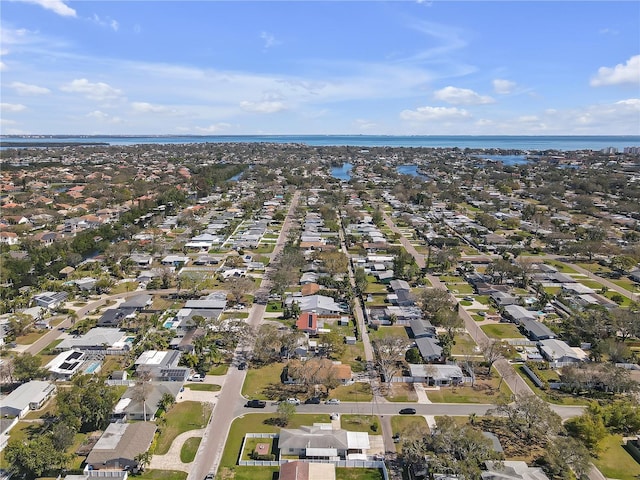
[28,396]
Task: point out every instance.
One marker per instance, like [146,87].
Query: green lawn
[48,350]
[250,445]
[484,392]
[352,353]
[356,392]
[30,337]
[388,331]
[562,267]
[625,283]
[464,344]
[626,302]
[407,425]
[461,288]
[220,369]
[358,474]
[181,418]
[162,475]
[594,267]
[614,461]
[259,378]
[589,283]
[451,279]
[204,387]
[361,423]
[501,330]
[189,449]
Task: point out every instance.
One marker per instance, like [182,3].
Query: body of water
[507,159]
[409,170]
[528,143]
[343,172]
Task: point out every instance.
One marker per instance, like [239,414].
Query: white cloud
[461,96]
[503,87]
[269,40]
[103,117]
[144,107]
[56,6]
[98,115]
[366,125]
[267,106]
[26,89]
[94,91]
[214,128]
[422,114]
[12,107]
[105,22]
[620,74]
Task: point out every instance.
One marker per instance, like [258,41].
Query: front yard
[181,418]
[614,461]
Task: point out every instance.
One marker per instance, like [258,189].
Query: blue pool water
[168,324]
[93,367]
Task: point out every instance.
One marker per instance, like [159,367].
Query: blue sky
[320,67]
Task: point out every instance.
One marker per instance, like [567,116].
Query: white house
[28,396]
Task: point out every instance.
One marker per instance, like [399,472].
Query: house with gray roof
[119,446]
[131,405]
[161,366]
[435,374]
[558,351]
[139,302]
[519,314]
[320,304]
[537,330]
[108,340]
[422,328]
[512,470]
[28,396]
[50,300]
[322,441]
[429,348]
[502,299]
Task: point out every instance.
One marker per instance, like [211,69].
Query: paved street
[230,401]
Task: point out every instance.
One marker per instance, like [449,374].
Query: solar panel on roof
[75,356]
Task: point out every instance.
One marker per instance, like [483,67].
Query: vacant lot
[501,330]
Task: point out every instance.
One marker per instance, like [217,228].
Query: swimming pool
[168,324]
[94,367]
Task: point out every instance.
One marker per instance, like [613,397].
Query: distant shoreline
[52,144]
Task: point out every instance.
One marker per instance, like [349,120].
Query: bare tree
[493,350]
[389,351]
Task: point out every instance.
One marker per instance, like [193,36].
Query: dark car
[242,366]
[408,411]
[312,401]
[256,404]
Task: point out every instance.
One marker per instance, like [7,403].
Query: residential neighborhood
[242,310]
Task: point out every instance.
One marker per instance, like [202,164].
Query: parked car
[293,401]
[196,377]
[408,411]
[242,366]
[312,401]
[256,404]
[396,438]
[333,401]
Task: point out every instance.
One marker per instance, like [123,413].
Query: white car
[293,401]
[196,377]
[333,401]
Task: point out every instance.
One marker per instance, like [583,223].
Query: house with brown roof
[307,471]
[119,446]
[308,323]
